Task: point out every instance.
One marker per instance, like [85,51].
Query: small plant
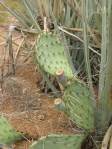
[92,117]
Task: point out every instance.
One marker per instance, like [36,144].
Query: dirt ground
[28,109]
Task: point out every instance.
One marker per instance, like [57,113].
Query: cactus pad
[7,134]
[78,104]
[51,56]
[59,142]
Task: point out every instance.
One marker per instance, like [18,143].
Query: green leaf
[51,55]
[59,142]
[7,134]
[79,107]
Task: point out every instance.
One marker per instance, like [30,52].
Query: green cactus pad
[7,134]
[51,55]
[59,142]
[78,104]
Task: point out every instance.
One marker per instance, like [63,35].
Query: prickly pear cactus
[51,56]
[59,142]
[7,134]
[79,106]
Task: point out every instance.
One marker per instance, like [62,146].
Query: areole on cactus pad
[59,142]
[51,55]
